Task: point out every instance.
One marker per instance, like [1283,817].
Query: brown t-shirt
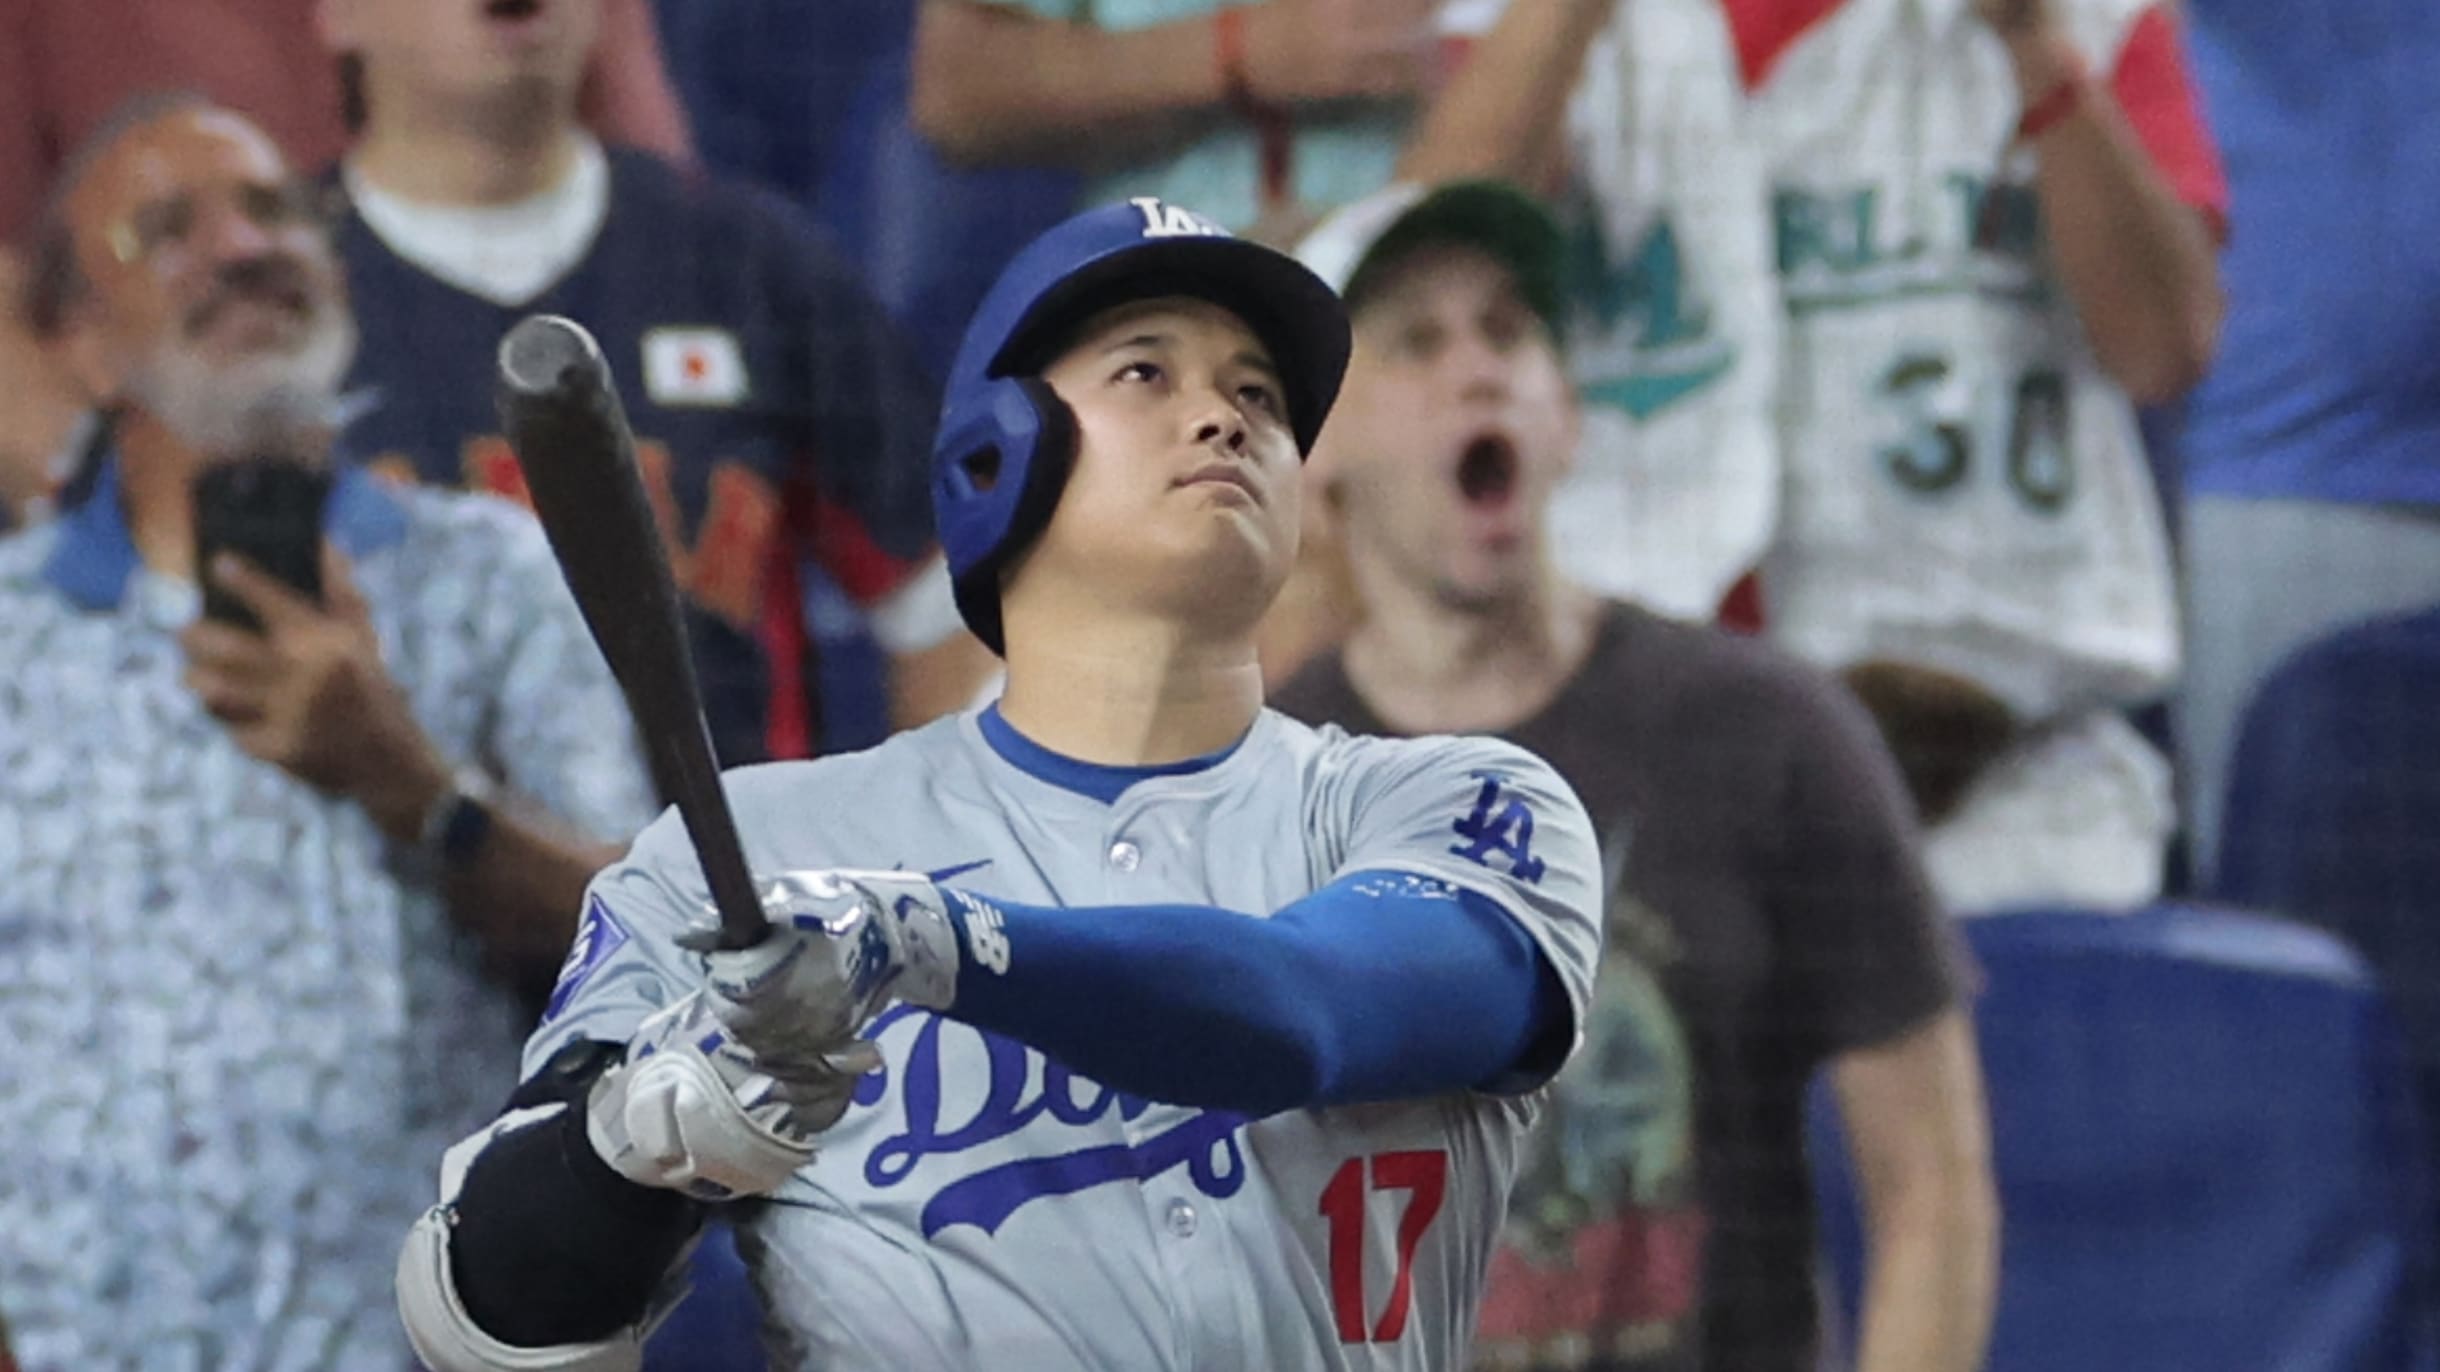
[1770,879]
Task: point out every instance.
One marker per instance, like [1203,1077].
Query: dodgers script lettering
[1057,1161]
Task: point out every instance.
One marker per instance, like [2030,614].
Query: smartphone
[267,510]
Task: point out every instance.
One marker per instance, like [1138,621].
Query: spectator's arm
[520,895]
[628,98]
[519,892]
[1505,112]
[1913,1110]
[2136,258]
[1874,982]
[992,84]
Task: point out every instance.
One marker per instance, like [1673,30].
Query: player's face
[214,291]
[1455,423]
[466,53]
[1185,481]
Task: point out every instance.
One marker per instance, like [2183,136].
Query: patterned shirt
[242,1025]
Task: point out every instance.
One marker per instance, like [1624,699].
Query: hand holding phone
[267,510]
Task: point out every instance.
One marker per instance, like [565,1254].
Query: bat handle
[734,897]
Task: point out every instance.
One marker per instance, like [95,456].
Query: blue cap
[1147,247]
[1006,441]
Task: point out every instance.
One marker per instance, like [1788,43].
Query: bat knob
[544,354]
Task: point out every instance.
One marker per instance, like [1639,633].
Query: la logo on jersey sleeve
[1501,825]
[700,366]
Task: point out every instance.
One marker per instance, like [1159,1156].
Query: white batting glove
[693,1109]
[842,945]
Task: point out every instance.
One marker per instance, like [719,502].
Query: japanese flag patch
[694,365]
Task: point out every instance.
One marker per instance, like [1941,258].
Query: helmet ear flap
[1046,468]
[999,467]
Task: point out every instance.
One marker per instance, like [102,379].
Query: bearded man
[269,879]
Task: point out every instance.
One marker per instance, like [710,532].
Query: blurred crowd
[1909,463]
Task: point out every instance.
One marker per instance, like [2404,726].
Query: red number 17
[1423,1174]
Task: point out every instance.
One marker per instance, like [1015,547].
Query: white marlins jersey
[1673,322]
[982,1207]
[1965,488]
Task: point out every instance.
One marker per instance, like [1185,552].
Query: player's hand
[310,696]
[842,945]
[693,1109]
[1303,51]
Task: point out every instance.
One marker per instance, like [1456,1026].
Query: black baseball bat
[562,416]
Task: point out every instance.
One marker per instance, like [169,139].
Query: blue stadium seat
[2208,1153]
[2333,812]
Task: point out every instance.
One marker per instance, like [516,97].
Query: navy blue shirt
[779,416]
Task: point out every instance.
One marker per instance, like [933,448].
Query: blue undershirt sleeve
[1379,986]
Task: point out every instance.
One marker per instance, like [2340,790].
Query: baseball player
[1123,1024]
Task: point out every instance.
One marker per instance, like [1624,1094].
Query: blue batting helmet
[1006,441]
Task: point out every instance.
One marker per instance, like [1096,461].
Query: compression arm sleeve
[1379,986]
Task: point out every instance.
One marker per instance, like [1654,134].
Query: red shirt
[2148,76]
[66,65]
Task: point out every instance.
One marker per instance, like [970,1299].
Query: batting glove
[842,945]
[692,1109]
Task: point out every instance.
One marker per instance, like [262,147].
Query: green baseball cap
[1355,248]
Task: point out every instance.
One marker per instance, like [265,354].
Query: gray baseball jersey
[981,1205]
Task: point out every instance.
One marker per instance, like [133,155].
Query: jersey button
[1181,1219]
[1125,856]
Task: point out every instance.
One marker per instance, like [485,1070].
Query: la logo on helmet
[1163,220]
